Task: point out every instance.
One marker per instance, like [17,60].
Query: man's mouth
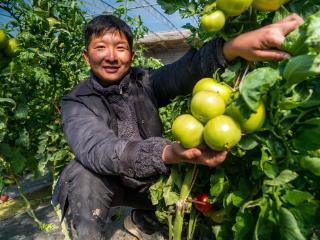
[111,69]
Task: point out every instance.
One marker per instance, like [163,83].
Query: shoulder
[82,88]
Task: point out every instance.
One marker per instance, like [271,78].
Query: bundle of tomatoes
[215,118]
[8,48]
[215,15]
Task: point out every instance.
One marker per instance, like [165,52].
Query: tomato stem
[181,204]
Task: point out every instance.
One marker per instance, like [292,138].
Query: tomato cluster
[8,48]
[215,119]
[215,14]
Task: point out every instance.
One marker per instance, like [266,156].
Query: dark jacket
[116,130]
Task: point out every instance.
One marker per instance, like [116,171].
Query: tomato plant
[266,188]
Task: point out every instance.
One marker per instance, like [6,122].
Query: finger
[290,24]
[271,55]
[293,17]
[192,153]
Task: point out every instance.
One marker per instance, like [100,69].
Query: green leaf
[217,183]
[307,214]
[256,84]
[13,156]
[297,197]
[306,138]
[248,142]
[311,164]
[294,42]
[301,67]
[289,228]
[263,226]
[171,7]
[8,100]
[156,191]
[313,31]
[243,226]
[22,109]
[284,177]
[230,72]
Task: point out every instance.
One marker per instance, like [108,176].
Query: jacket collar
[93,86]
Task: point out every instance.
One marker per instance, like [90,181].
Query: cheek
[97,57]
[126,59]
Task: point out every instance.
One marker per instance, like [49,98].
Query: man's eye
[99,47]
[122,48]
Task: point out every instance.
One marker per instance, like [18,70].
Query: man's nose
[111,55]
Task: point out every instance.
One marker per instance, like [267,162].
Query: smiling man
[112,124]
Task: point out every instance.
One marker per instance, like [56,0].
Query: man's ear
[85,55]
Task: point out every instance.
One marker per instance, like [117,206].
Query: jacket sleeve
[98,148]
[179,77]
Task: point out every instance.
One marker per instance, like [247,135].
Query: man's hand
[263,43]
[175,153]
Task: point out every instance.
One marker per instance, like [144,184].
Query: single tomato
[267,5]
[251,124]
[202,204]
[12,47]
[213,22]
[221,132]
[233,7]
[3,39]
[187,130]
[210,84]
[206,105]
[4,198]
[52,21]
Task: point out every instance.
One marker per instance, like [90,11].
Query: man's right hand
[175,153]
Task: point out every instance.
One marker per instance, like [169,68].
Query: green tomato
[187,130]
[251,124]
[12,47]
[233,7]
[52,21]
[206,105]
[267,5]
[213,22]
[210,84]
[3,39]
[221,132]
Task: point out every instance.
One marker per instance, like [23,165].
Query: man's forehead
[113,32]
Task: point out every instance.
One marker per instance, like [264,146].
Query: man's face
[109,56]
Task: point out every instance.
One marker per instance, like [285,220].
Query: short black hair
[102,23]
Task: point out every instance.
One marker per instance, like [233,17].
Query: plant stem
[184,192]
[30,211]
